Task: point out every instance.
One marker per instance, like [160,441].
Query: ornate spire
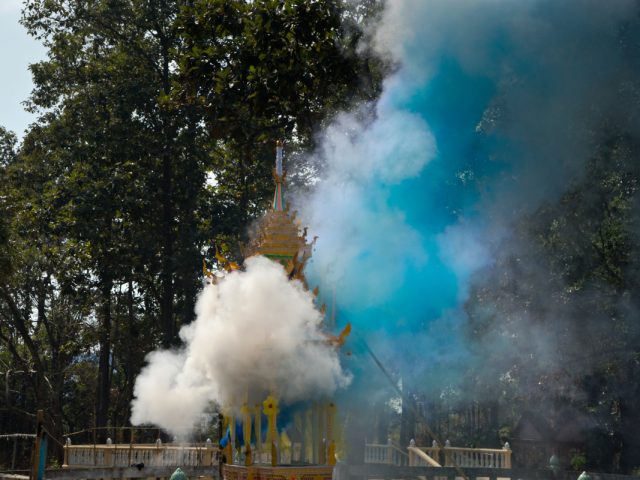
[278,235]
[278,175]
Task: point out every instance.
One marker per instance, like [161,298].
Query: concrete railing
[423,457]
[386,454]
[477,457]
[153,455]
[161,455]
[389,454]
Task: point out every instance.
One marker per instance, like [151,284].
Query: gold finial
[226,264]
[207,273]
[279,158]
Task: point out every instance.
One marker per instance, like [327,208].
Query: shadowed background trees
[154,142]
[155,135]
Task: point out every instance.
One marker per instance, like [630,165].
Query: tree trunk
[166,304]
[129,372]
[168,263]
[104,361]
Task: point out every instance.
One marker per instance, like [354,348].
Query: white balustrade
[424,456]
[477,457]
[151,455]
[430,456]
[387,454]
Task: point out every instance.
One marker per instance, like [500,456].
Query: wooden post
[14,454]
[39,454]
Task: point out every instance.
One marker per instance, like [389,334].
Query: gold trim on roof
[277,236]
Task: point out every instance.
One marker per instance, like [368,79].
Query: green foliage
[559,307]
[262,71]
[108,204]
[578,461]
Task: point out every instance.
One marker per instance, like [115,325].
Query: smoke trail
[255,333]
[490,112]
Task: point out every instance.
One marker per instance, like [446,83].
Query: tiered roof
[279,236]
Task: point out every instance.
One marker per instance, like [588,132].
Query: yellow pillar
[319,438]
[246,431]
[258,414]
[271,411]
[331,443]
[308,436]
[230,423]
[285,447]
[297,454]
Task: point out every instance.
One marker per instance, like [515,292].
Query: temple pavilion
[304,448]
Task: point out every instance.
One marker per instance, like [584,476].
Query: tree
[267,70]
[40,307]
[110,208]
[559,306]
[127,168]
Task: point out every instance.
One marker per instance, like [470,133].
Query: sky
[17,51]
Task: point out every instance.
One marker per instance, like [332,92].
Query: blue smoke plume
[490,110]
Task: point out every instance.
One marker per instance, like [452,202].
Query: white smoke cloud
[255,333]
[358,231]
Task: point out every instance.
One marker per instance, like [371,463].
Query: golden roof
[278,237]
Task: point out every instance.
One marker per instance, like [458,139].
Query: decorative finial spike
[279,158]
[278,176]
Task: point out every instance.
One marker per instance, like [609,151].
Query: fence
[434,456]
[387,454]
[153,455]
[477,457]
